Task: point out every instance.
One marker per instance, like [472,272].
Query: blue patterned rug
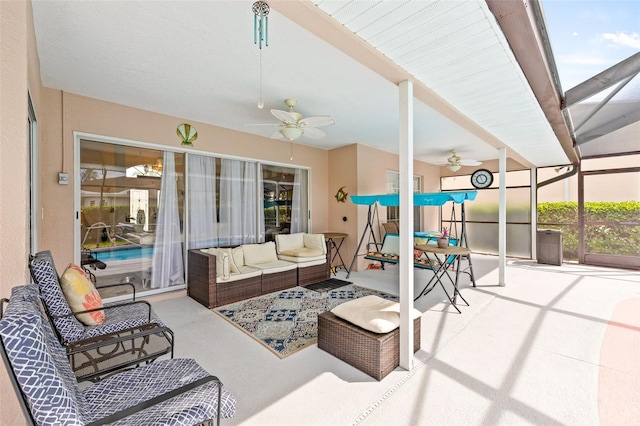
[287,321]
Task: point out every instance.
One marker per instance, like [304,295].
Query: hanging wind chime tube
[260,34]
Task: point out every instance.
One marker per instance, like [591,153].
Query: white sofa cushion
[286,242]
[274,266]
[222,262]
[247,272]
[304,261]
[301,252]
[372,313]
[315,242]
[255,254]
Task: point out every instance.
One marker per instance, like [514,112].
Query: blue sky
[589,36]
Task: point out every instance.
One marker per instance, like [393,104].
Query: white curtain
[168,266]
[239,211]
[203,220]
[296,207]
[231,187]
[260,184]
[299,202]
[249,213]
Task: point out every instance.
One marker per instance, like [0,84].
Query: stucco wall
[19,72]
[363,171]
[82,114]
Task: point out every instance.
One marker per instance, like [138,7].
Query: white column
[406,224]
[502,216]
[534,212]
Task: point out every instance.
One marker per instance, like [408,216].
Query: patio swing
[419,199]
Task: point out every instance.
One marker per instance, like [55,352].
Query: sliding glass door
[120,208]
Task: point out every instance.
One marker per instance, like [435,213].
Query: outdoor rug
[324,286]
[287,321]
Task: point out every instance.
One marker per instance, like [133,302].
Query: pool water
[125,254]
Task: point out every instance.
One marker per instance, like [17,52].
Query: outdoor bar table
[451,256]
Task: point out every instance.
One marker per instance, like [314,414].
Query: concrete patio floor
[556,345]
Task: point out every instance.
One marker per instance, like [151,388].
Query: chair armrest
[374,247]
[117,337]
[99,357]
[110,307]
[133,287]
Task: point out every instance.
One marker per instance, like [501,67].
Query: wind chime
[260,34]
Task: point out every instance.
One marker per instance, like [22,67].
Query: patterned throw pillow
[81,295]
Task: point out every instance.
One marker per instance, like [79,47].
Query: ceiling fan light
[454,167]
[291,133]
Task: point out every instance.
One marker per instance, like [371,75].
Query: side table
[334,241]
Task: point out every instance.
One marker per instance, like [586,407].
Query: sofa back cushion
[255,254]
[315,242]
[287,242]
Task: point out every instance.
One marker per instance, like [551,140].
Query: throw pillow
[81,295]
[236,259]
[222,262]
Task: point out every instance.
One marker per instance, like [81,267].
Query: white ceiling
[197,61]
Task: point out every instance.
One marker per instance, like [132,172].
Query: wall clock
[482,178]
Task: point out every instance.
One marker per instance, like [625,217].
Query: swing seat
[388,251]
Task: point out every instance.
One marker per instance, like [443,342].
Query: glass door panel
[612,219]
[119,196]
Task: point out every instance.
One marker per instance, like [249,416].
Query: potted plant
[443,241]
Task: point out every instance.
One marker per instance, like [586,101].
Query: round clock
[482,178]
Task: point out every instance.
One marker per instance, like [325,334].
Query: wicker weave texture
[279,281]
[313,274]
[373,353]
[235,291]
[202,270]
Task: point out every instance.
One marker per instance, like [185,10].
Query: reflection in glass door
[119,205]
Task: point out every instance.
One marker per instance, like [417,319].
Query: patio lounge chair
[130,334]
[174,391]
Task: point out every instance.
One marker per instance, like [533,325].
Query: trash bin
[549,246]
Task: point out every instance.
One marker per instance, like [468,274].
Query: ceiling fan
[293,124]
[454,162]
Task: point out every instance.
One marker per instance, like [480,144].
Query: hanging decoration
[188,133]
[341,195]
[260,34]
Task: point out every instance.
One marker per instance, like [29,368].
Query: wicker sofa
[219,276]
[308,252]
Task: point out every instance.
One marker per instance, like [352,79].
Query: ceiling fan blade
[277,135]
[284,116]
[470,162]
[313,133]
[318,121]
[264,124]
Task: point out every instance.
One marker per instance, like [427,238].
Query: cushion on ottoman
[372,313]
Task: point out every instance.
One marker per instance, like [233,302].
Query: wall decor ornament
[188,134]
[341,195]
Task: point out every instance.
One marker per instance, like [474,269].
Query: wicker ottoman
[374,353]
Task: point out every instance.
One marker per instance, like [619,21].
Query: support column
[406,223]
[502,216]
